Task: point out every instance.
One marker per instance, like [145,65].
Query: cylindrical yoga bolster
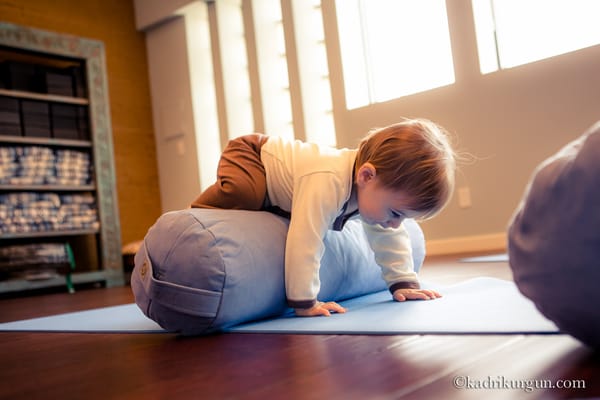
[554,238]
[203,270]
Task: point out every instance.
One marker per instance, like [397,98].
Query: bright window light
[393,48]
[517,32]
[202,81]
[234,65]
[273,68]
[314,72]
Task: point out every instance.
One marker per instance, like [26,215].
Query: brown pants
[241,182]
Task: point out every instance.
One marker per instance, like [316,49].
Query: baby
[405,170]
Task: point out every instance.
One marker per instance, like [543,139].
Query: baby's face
[378,205]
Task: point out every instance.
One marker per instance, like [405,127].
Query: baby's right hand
[320,308]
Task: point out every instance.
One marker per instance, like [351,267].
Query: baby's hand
[320,309]
[415,294]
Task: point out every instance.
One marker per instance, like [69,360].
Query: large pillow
[554,238]
[202,270]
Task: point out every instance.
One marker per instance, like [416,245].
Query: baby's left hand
[415,294]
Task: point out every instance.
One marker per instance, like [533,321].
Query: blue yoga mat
[502,257]
[127,318]
[480,305]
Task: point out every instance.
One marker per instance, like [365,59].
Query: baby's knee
[242,195]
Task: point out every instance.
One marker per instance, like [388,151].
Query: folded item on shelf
[32,254]
[38,212]
[38,165]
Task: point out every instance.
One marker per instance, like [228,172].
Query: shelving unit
[96,248]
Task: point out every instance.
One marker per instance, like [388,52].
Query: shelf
[42,234]
[17,285]
[53,98]
[46,188]
[46,60]
[44,141]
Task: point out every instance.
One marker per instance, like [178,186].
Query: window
[313,72]
[273,68]
[202,81]
[517,32]
[393,48]
[234,67]
[271,71]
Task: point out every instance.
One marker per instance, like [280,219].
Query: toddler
[405,170]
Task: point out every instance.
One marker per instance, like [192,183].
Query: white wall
[170,87]
[183,102]
[509,120]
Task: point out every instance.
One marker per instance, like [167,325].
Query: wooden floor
[269,366]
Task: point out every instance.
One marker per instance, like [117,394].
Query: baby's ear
[365,173]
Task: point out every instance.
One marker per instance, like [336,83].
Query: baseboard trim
[467,244]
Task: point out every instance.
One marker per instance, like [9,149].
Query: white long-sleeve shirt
[314,183]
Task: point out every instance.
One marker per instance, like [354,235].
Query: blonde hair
[413,156]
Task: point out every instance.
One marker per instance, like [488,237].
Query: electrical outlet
[180,147]
[464,197]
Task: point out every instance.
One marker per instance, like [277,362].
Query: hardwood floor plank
[514,371]
[17,308]
[385,365]
[271,366]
